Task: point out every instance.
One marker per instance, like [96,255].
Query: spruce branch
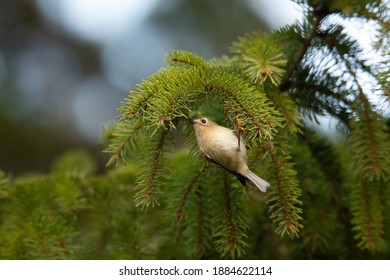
[187,190]
[190,203]
[260,58]
[163,96]
[198,225]
[330,165]
[172,94]
[305,45]
[136,103]
[179,88]
[372,151]
[258,116]
[229,214]
[149,179]
[120,141]
[288,110]
[368,216]
[321,99]
[283,200]
[370,147]
[323,89]
[183,58]
[328,162]
[230,228]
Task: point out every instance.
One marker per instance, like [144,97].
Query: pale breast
[223,148]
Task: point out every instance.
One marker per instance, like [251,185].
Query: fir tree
[160,199]
[271,82]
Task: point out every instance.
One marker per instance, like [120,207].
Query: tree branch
[285,84]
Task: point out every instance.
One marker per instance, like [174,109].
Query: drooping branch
[186,193]
[121,139]
[284,202]
[148,179]
[307,41]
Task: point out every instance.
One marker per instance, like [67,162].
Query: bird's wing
[210,158]
[240,178]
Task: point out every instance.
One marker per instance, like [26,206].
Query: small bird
[221,146]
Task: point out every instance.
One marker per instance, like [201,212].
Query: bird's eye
[204,121]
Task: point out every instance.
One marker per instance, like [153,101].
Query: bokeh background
[65,65]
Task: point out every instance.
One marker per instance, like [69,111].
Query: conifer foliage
[160,198]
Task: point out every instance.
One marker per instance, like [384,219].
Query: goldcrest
[222,147]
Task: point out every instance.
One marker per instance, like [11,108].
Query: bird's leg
[239,130]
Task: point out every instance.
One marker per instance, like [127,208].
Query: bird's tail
[260,183]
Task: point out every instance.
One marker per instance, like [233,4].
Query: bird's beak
[195,121]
